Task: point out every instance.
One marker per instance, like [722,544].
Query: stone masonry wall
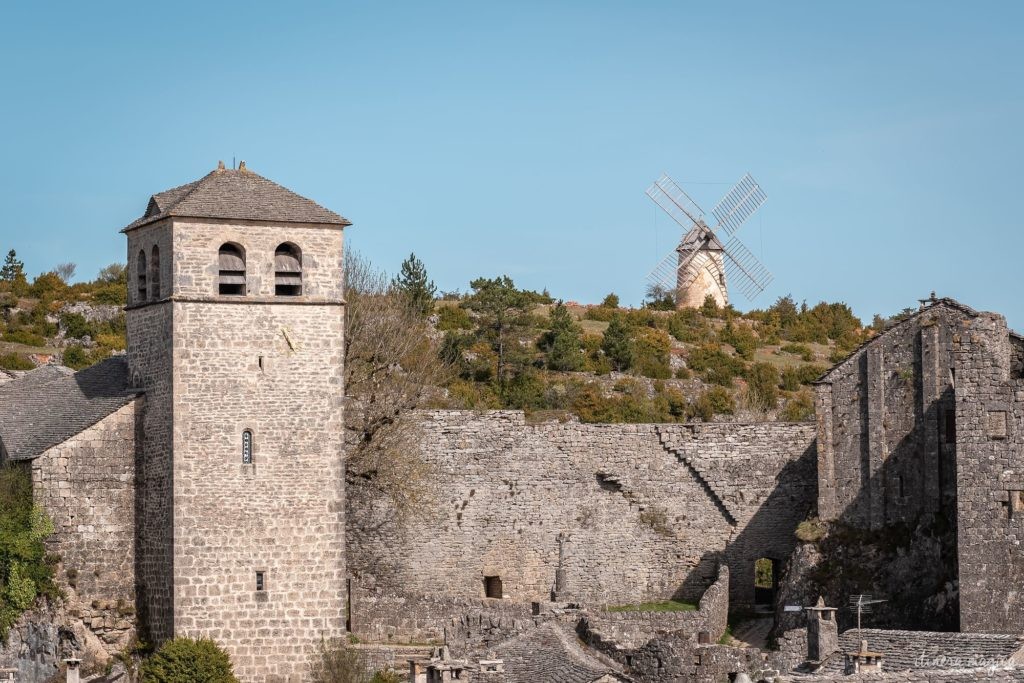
[271,365]
[990,477]
[149,334]
[620,634]
[87,486]
[617,507]
[886,442]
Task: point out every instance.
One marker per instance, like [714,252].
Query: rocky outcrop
[46,635]
[910,568]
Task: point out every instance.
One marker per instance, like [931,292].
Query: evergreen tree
[413,282]
[563,343]
[502,314]
[618,344]
[12,272]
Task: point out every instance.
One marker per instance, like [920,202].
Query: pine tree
[503,317]
[413,282]
[563,343]
[12,268]
[618,344]
[12,275]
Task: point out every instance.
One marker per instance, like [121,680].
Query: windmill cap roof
[236,194]
[695,239]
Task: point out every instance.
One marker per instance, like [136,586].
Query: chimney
[72,672]
[220,165]
[822,631]
[241,166]
[863,661]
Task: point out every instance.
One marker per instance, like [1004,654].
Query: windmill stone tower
[700,266]
[235,325]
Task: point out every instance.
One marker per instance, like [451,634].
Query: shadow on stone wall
[911,564]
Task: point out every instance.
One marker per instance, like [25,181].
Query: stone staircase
[666,443]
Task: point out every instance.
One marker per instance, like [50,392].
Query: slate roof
[550,653]
[236,194]
[929,650]
[50,405]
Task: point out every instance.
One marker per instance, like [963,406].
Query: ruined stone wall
[990,435]
[620,634]
[273,366]
[637,522]
[886,441]
[87,487]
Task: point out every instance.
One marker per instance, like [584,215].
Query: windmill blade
[738,205]
[676,203]
[666,273]
[743,271]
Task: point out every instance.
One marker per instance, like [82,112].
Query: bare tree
[391,367]
[65,271]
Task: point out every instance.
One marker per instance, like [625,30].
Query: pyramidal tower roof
[236,194]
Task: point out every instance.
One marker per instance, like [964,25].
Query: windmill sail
[744,271]
[676,203]
[738,205]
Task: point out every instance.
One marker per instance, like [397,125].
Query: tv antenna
[700,264]
[863,604]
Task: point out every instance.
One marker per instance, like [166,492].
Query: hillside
[51,321]
[502,347]
[605,363]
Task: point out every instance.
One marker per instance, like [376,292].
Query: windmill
[701,265]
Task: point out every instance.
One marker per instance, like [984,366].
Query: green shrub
[14,361]
[600,313]
[76,358]
[763,385]
[611,301]
[184,660]
[710,307]
[453,318]
[75,325]
[24,337]
[715,365]
[385,676]
[794,378]
[801,350]
[714,401]
[800,408]
[650,356]
[594,359]
[687,325]
[25,571]
[741,338]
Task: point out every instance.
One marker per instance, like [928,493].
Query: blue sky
[518,138]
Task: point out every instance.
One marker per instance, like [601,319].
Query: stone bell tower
[235,326]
